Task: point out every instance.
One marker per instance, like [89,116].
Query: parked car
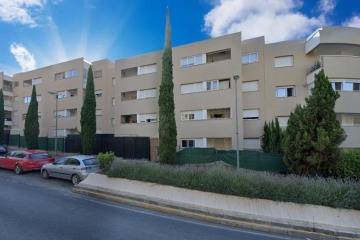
[74,168]
[25,160]
[3,150]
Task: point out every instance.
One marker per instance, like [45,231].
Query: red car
[25,160]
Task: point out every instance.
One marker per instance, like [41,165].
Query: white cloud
[353,22]
[20,11]
[326,6]
[25,59]
[277,20]
[56,2]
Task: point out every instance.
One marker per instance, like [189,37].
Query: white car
[74,168]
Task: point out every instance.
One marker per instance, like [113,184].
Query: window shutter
[250,86]
[287,61]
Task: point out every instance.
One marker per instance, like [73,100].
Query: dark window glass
[338,86]
[356,86]
[90,161]
[39,156]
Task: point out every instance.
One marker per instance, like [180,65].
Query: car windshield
[2,148]
[90,161]
[39,156]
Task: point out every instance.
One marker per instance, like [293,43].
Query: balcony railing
[317,63]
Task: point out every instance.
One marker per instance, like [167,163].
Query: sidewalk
[306,221]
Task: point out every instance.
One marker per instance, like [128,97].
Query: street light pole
[56,119]
[236,77]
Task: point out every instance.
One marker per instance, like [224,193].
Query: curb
[257,224]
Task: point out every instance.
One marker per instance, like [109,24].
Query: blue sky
[38,33]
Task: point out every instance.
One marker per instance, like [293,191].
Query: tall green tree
[272,140]
[2,117]
[167,123]
[88,117]
[31,130]
[315,131]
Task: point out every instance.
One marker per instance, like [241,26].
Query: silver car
[74,168]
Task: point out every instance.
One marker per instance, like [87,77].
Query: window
[251,114]
[212,85]
[146,118]
[188,143]
[251,143]
[67,74]
[286,61]
[218,56]
[148,93]
[283,121]
[187,116]
[113,101]
[98,93]
[193,115]
[71,73]
[59,76]
[224,84]
[98,74]
[285,92]
[251,86]
[26,99]
[346,85]
[146,69]
[113,121]
[337,86]
[250,58]
[16,84]
[98,112]
[191,88]
[27,83]
[36,81]
[113,81]
[193,60]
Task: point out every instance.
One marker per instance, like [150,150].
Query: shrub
[245,183]
[348,166]
[105,160]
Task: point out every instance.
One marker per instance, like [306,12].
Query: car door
[70,167]
[4,161]
[56,169]
[12,159]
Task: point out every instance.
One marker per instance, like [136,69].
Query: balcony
[332,35]
[352,139]
[335,66]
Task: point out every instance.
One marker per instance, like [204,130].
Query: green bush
[105,160]
[245,183]
[348,166]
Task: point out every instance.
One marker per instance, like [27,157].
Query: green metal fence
[253,160]
[45,143]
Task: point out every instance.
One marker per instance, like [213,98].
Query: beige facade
[273,78]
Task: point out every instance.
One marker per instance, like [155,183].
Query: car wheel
[75,179]
[45,174]
[18,169]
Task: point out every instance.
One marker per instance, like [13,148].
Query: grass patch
[244,183]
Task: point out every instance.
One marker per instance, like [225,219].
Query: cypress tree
[88,117]
[2,117]
[167,123]
[31,130]
[265,138]
[315,131]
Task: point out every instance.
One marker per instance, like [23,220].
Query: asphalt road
[34,208]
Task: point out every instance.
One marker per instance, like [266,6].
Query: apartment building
[270,78]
